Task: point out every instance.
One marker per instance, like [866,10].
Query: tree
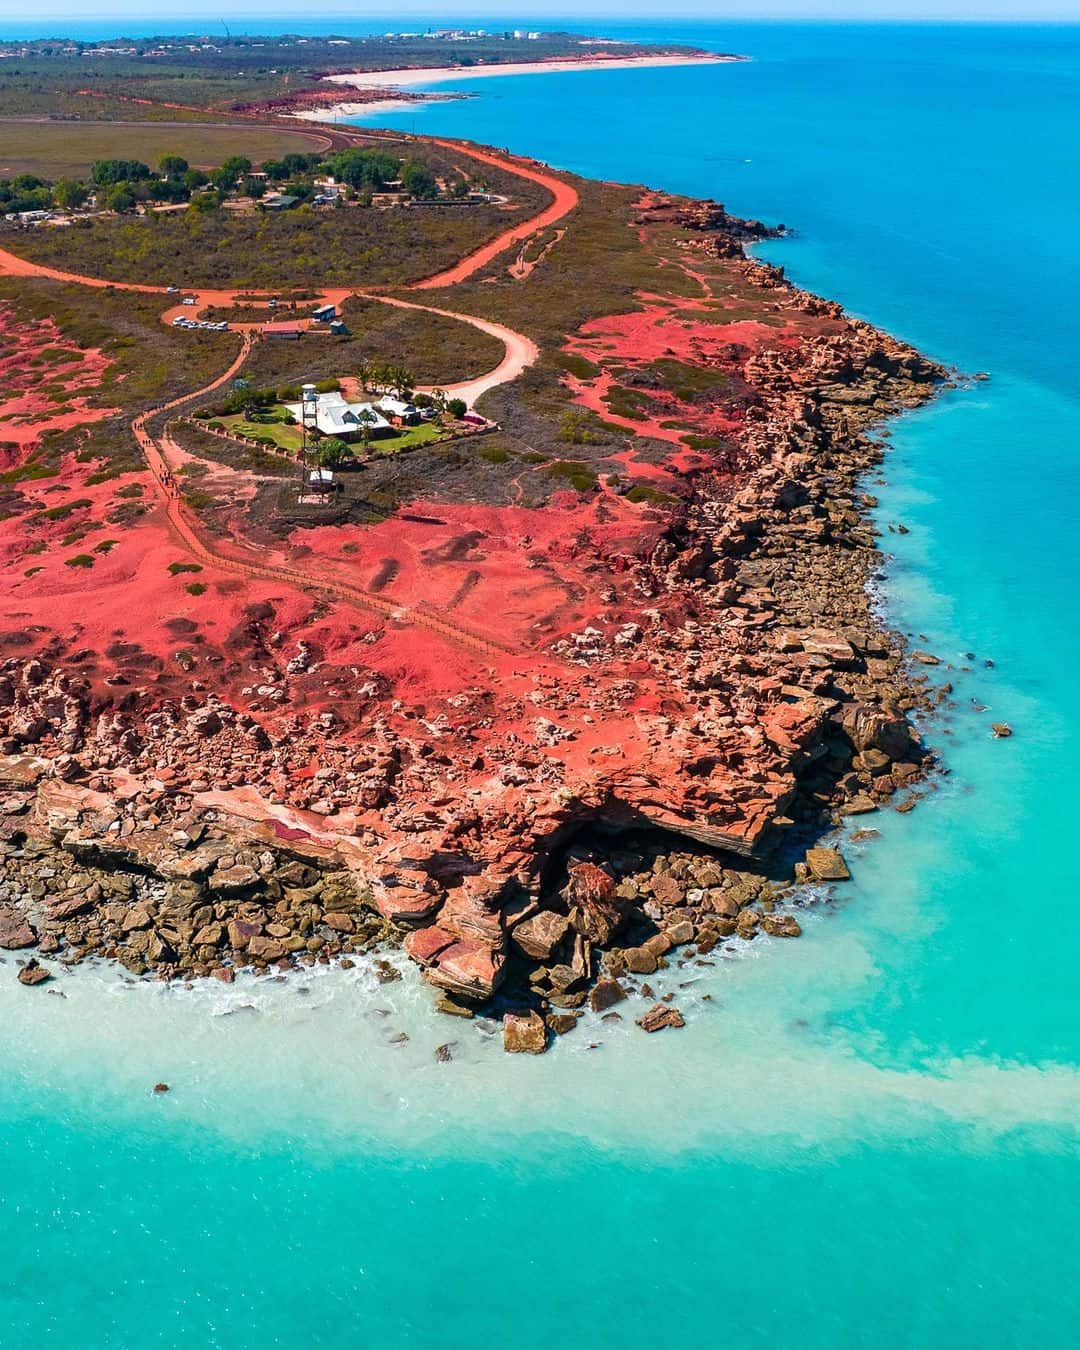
[253,187]
[108,171]
[204,202]
[457,407]
[195,178]
[418,180]
[168,190]
[363,168]
[366,418]
[236,166]
[401,380]
[69,194]
[329,452]
[172,166]
[117,198]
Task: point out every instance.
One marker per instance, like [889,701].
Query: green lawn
[288,437]
[390,445]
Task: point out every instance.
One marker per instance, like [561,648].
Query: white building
[336,416]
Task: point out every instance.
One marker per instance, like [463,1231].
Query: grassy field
[67,149]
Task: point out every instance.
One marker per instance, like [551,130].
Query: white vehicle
[188,300]
[178,321]
[172,290]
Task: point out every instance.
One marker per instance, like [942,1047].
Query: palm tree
[366,418]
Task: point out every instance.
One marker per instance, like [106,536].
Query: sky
[626,11]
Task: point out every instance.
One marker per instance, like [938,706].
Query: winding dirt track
[565,199]
[520,352]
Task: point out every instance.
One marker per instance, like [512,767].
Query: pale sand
[399,79]
[406,76]
[377,106]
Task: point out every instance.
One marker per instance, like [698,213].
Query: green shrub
[576,364]
[579,475]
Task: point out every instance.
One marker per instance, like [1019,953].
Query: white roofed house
[401,410]
[336,416]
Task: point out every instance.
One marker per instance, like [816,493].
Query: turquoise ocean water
[866,1138]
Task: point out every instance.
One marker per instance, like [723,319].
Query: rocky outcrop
[728,684]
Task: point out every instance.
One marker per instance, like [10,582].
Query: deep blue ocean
[868,1138]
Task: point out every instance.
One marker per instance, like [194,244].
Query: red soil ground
[502,640]
[33,356]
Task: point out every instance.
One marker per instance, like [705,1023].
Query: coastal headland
[555,687]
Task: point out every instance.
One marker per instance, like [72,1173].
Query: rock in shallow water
[659,1016]
[825,864]
[524,1033]
[15,931]
[33,973]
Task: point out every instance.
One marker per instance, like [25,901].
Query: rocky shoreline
[174,837]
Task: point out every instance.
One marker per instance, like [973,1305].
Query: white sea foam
[755,1069]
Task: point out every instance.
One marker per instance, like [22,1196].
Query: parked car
[188,300]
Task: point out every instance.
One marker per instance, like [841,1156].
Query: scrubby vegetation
[436,350]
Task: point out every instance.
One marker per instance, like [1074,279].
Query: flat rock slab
[15,931]
[524,1033]
[826,864]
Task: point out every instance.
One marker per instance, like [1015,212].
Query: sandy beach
[400,79]
[422,75]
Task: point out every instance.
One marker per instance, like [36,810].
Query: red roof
[282,328]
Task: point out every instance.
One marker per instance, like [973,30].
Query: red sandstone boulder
[524,1033]
[265,949]
[781,925]
[15,931]
[539,936]
[882,730]
[605,993]
[62,910]
[33,973]
[595,910]
[469,969]
[825,864]
[425,944]
[407,896]
[466,915]
[659,1016]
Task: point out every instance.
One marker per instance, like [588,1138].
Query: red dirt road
[520,353]
[565,200]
